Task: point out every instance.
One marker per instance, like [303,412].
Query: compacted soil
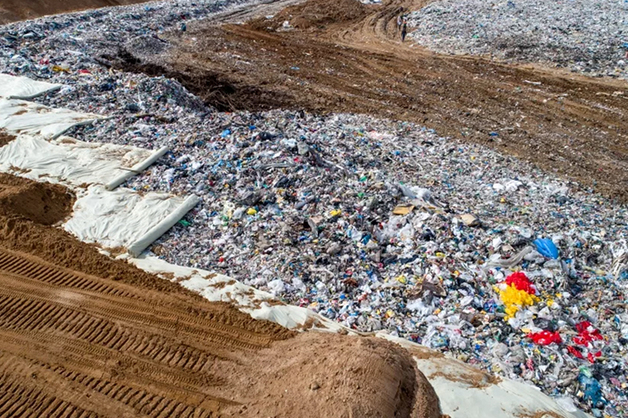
[13,10]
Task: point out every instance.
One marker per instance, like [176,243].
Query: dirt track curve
[342,56]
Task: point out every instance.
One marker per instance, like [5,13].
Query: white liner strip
[67,160]
[454,382]
[163,226]
[21,117]
[120,217]
[137,168]
[17,87]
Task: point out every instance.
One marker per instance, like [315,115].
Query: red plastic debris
[545,337]
[573,350]
[593,356]
[586,333]
[521,282]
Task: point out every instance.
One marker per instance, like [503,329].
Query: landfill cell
[341,56]
[83,335]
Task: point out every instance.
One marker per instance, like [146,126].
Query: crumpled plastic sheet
[23,87]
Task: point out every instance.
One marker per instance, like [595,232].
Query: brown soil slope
[82,335]
[345,57]
[14,10]
[42,203]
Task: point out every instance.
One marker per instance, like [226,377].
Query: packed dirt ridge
[13,10]
[82,335]
[342,56]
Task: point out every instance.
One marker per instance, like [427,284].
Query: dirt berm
[13,10]
[82,335]
[342,56]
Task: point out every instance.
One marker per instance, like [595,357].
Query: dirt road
[82,335]
[13,10]
[342,56]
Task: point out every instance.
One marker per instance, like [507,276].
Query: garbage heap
[377,224]
[585,36]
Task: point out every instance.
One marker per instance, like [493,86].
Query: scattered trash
[373,223]
[586,36]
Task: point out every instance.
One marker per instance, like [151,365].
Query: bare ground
[342,56]
[14,10]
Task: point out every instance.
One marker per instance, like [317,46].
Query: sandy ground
[83,335]
[13,10]
[341,56]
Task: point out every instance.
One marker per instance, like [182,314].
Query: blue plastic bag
[592,389]
[546,247]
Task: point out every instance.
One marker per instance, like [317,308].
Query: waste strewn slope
[564,123]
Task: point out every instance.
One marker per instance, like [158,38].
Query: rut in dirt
[342,56]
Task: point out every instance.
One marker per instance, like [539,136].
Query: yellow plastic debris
[251,211]
[58,69]
[335,212]
[403,209]
[515,299]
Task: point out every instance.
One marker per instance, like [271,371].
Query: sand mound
[43,203]
[336,376]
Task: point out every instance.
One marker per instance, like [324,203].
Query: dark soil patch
[215,89]
[5,138]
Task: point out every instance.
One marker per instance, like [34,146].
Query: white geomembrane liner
[120,217]
[21,117]
[68,161]
[18,87]
[464,391]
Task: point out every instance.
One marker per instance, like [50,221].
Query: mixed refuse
[376,224]
[587,36]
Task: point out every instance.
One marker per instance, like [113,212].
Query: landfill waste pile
[587,36]
[374,223]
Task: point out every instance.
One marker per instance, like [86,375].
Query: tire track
[101,342]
